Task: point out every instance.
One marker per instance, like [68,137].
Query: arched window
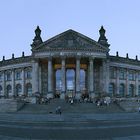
[111,89]
[29,89]
[0,90]
[131,90]
[18,90]
[121,90]
[9,90]
[58,79]
[82,79]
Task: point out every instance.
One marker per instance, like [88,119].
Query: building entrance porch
[70,82]
[73,77]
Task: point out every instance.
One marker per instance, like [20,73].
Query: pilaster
[117,82]
[127,83]
[13,84]
[23,82]
[3,84]
[136,84]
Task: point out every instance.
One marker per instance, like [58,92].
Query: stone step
[68,108]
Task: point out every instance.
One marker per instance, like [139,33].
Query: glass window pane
[70,76]
[58,80]
[82,79]
[122,90]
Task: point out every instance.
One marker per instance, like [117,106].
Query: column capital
[91,58]
[49,58]
[63,57]
[35,60]
[78,57]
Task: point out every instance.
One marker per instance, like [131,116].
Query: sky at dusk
[19,18]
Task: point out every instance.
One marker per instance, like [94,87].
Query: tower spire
[102,39]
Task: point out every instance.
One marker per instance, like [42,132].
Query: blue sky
[19,18]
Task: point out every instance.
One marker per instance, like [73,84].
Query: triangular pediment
[70,39]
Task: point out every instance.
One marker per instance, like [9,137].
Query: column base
[62,95]
[50,95]
[78,95]
[92,95]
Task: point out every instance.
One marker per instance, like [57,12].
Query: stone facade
[69,65]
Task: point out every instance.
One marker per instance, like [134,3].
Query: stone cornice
[15,66]
[71,49]
[16,61]
[124,60]
[69,54]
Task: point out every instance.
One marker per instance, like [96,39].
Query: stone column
[35,77]
[13,84]
[23,82]
[50,82]
[40,80]
[63,78]
[117,82]
[127,83]
[91,78]
[105,76]
[78,94]
[137,84]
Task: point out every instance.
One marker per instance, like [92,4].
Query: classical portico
[71,61]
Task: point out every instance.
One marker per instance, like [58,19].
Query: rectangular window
[0,77]
[28,74]
[122,74]
[139,90]
[131,75]
[139,76]
[18,75]
[8,76]
[113,72]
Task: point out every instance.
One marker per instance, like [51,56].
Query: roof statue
[102,39]
[37,39]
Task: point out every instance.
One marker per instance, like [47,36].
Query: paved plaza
[25,125]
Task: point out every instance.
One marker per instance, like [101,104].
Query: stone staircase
[129,105]
[68,108]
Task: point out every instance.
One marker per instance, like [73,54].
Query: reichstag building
[69,64]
